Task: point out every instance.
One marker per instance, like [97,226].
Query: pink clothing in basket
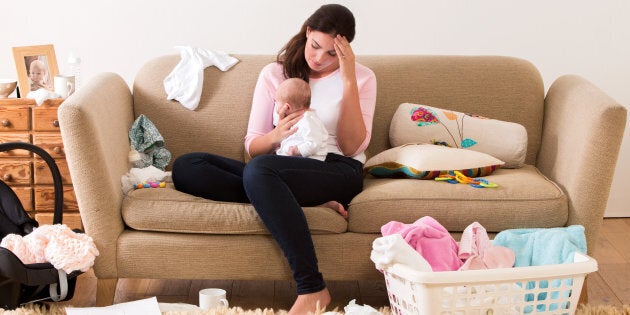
[56,244]
[477,251]
[430,239]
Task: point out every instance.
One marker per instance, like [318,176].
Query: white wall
[588,38]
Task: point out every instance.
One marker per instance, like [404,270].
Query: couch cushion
[427,161]
[524,199]
[168,210]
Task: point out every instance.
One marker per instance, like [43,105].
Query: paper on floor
[148,306]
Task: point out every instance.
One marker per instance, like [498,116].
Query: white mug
[212,298]
[64,85]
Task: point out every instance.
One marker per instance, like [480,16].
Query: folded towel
[185,82]
[393,249]
[430,239]
[478,252]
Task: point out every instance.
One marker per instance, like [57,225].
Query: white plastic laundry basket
[552,289]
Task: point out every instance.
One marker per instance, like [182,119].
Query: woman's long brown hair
[331,19]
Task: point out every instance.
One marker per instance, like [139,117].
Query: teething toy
[455,177]
[161,184]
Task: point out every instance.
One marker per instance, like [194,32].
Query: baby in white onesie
[310,139]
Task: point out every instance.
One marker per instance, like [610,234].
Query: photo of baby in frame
[36,67]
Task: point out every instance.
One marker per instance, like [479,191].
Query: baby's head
[296,93]
[37,70]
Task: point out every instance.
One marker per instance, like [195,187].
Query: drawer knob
[6,123]
[55,123]
[57,150]
[6,177]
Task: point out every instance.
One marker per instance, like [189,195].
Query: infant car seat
[25,283]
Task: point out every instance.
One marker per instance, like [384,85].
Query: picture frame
[43,61]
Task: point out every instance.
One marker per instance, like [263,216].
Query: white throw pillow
[427,161]
[413,123]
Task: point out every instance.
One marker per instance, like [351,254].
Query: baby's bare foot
[337,207]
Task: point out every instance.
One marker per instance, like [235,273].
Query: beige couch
[574,134]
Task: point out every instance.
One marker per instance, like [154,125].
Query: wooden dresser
[22,120]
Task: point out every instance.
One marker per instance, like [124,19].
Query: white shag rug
[172,309]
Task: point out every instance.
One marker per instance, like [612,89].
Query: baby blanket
[56,244]
[147,140]
[538,247]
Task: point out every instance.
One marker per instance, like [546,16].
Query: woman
[344,95]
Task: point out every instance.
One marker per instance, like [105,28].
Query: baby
[310,139]
[37,75]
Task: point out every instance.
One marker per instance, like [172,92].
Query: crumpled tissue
[41,95]
[355,309]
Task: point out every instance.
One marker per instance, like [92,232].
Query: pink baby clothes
[430,239]
[477,251]
[474,241]
[493,257]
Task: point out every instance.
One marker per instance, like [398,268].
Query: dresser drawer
[25,195]
[14,118]
[72,220]
[22,120]
[15,137]
[51,143]
[15,172]
[43,175]
[45,118]
[45,198]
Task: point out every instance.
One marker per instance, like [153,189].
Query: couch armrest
[582,132]
[94,125]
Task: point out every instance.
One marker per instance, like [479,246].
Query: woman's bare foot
[337,207]
[310,303]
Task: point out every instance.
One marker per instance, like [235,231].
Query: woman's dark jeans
[277,187]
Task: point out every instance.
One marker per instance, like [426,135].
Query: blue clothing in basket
[539,247]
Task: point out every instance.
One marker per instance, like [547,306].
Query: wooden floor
[610,285]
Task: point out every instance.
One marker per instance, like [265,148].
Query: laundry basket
[551,289]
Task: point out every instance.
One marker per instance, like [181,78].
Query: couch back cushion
[219,124]
[502,88]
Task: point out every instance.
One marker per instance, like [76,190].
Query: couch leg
[105,291]
[584,293]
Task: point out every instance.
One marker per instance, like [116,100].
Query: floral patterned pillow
[413,123]
[427,161]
